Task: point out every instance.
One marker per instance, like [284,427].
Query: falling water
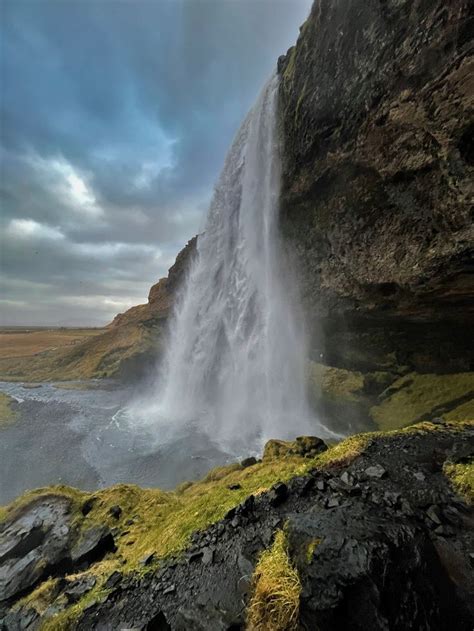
[235,359]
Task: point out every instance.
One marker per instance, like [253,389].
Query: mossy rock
[303,446]
[418,397]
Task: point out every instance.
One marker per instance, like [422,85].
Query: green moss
[335,383]
[7,415]
[290,66]
[461,412]
[415,396]
[312,545]
[461,476]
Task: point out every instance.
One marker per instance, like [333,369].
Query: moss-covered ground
[389,402]
[461,475]
[417,396]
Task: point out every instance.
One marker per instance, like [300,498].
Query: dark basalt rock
[248,462]
[40,540]
[92,544]
[77,588]
[115,511]
[375,113]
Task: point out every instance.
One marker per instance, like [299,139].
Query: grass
[275,601]
[415,396]
[65,355]
[27,343]
[7,415]
[461,475]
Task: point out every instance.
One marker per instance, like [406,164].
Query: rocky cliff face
[376,103]
[376,107]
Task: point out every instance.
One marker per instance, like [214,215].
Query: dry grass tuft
[275,602]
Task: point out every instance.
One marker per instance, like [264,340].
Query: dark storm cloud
[115,121]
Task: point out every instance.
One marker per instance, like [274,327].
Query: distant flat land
[32,352]
[28,341]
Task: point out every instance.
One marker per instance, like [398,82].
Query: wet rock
[207,556]
[236,521]
[347,478]
[309,446]
[375,471]
[115,511]
[246,507]
[87,506]
[114,579]
[234,487]
[461,452]
[392,498]
[306,486]
[433,514]
[170,589]
[248,462]
[21,619]
[93,544]
[32,542]
[147,559]
[333,501]
[74,590]
[278,494]
[306,446]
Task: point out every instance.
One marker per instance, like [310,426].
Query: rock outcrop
[379,531]
[377,121]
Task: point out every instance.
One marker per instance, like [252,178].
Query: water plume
[234,364]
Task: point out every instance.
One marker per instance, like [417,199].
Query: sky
[115,119]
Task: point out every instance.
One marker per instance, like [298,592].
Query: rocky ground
[380,531]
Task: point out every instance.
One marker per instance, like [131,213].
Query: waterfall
[235,358]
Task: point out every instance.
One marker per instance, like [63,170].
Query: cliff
[376,116]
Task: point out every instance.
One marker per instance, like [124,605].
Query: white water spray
[235,359]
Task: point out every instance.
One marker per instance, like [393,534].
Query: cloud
[32,230]
[115,122]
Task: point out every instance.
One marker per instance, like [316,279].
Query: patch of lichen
[461,475]
[311,548]
[7,414]
[276,590]
[415,396]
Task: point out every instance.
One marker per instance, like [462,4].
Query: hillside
[125,348]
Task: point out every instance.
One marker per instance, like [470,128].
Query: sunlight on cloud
[67,183]
[31,229]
